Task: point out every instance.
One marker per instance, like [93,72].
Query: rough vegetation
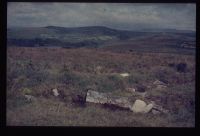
[37,71]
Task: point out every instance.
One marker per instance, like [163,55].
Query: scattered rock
[55,92]
[124,74]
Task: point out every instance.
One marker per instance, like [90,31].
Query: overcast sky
[127,16]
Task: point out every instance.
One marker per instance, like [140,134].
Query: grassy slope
[74,70]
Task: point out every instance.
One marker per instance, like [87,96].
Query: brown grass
[72,71]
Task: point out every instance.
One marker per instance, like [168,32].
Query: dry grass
[74,70]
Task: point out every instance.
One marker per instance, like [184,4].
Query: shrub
[181,67]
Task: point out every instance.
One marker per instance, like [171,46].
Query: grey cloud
[121,16]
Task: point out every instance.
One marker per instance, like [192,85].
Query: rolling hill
[103,37]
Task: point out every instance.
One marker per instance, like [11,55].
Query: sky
[125,16]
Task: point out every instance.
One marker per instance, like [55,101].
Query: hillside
[103,37]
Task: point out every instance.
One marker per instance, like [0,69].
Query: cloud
[114,15]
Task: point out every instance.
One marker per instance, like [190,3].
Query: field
[37,70]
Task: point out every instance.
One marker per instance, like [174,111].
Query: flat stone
[105,98]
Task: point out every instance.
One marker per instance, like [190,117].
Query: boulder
[138,106]
[141,107]
[55,92]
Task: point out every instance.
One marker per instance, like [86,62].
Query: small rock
[55,92]
[138,106]
[29,98]
[124,74]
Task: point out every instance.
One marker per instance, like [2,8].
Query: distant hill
[97,37]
